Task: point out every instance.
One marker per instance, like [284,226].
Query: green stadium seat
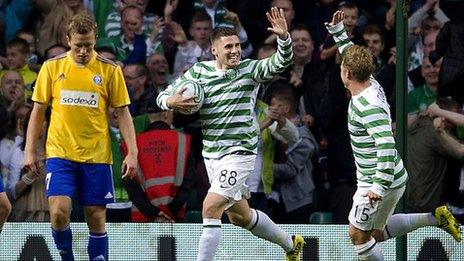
[193,216]
[321,218]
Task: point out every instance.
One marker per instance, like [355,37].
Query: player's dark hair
[219,32]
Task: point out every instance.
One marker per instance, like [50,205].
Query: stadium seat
[320,218]
[193,216]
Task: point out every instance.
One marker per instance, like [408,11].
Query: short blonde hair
[82,24]
[359,62]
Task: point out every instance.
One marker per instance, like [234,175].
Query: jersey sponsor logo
[79,98]
[97,79]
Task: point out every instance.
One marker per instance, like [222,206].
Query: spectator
[375,42]
[55,50]
[113,25]
[17,53]
[56,14]
[28,187]
[221,17]
[158,70]
[11,158]
[136,76]
[428,45]
[12,90]
[420,98]
[316,16]
[429,18]
[294,176]
[329,49]
[428,156]
[33,58]
[12,14]
[273,126]
[450,46]
[196,50]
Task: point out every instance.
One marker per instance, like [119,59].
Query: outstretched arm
[267,69]
[337,30]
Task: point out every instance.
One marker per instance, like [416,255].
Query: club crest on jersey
[97,79]
[231,74]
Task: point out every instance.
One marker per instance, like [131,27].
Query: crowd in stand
[305,162]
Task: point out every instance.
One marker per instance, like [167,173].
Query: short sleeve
[119,96]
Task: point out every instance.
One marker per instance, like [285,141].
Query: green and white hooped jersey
[378,163]
[227,119]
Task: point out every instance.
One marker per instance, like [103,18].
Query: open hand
[277,19]
[336,18]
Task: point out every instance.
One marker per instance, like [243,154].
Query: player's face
[82,47]
[201,31]
[302,44]
[15,58]
[227,51]
[374,43]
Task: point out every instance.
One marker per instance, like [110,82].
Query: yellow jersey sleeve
[43,86]
[119,96]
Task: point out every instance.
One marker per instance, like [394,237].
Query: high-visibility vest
[163,158]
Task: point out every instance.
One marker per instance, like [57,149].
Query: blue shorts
[2,189]
[91,183]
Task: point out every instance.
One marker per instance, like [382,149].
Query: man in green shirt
[421,97]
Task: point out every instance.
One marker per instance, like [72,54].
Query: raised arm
[337,30]
[266,69]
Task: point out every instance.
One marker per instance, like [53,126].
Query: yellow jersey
[79,96]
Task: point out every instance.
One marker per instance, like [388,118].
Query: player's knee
[59,215]
[238,219]
[358,237]
[212,210]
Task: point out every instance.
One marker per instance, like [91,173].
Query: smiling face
[430,72]
[302,44]
[131,22]
[227,51]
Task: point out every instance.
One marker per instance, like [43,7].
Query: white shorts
[228,174]
[365,216]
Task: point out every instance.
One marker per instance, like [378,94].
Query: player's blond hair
[82,24]
[359,62]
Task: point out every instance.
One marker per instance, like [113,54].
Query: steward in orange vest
[163,158]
